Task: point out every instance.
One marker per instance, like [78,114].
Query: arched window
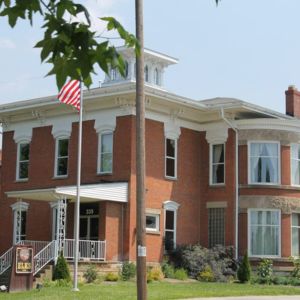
[156,77]
[126,68]
[146,72]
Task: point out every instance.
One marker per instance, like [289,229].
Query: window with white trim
[23,160]
[113,73]
[61,157]
[170,158]
[217,168]
[105,156]
[146,73]
[295,164]
[264,232]
[20,217]
[216,226]
[171,208]
[152,222]
[295,234]
[264,162]
[156,77]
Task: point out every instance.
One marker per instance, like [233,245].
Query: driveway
[297,297]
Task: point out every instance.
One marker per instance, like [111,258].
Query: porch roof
[114,191]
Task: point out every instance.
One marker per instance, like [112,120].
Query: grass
[156,291]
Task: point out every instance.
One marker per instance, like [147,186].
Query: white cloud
[7,44]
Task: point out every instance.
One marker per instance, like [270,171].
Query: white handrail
[6,260]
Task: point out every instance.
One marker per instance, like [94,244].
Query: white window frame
[249,162]
[157,223]
[171,206]
[293,159]
[146,73]
[19,161]
[249,232]
[156,76]
[19,206]
[169,157]
[293,212]
[100,134]
[56,157]
[211,164]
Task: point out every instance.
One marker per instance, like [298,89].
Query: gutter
[236,179]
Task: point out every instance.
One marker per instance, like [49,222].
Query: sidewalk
[283,297]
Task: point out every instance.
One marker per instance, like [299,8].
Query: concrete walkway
[251,298]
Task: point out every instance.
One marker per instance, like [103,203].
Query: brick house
[194,150]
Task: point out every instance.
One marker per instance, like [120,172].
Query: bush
[111,277]
[167,269]
[265,271]
[90,274]
[195,258]
[128,271]
[206,275]
[155,274]
[244,270]
[63,283]
[61,269]
[180,274]
[296,270]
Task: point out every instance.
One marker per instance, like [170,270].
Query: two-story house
[218,171]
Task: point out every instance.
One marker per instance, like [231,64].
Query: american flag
[70,94]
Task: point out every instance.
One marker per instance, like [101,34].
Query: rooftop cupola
[155,65]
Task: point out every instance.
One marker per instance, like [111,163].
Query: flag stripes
[70,94]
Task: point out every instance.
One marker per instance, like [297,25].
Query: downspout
[236,180]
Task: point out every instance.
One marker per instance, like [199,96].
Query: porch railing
[6,260]
[36,245]
[88,250]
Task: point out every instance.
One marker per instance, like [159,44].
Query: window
[20,216]
[126,68]
[61,157]
[217,169]
[156,77]
[23,160]
[295,234]
[54,208]
[264,232]
[105,153]
[216,226]
[295,164]
[171,168]
[264,162]
[152,222]
[146,71]
[113,73]
[171,208]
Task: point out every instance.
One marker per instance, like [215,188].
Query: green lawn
[156,291]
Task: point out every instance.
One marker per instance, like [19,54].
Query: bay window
[295,234]
[264,162]
[295,164]
[264,232]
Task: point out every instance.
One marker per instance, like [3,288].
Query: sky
[245,49]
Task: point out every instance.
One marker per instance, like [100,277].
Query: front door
[89,221]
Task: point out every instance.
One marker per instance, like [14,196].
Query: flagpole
[77,205]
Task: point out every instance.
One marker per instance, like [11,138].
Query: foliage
[296,270]
[265,270]
[63,283]
[180,274]
[155,274]
[111,277]
[61,269]
[90,274]
[244,270]
[128,271]
[167,269]
[206,275]
[194,259]
[70,46]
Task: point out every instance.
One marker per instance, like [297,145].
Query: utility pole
[140,159]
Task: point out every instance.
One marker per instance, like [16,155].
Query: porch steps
[5,277]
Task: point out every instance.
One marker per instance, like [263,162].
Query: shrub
[111,277]
[180,274]
[128,271]
[296,270]
[167,269]
[194,259]
[155,274]
[206,275]
[63,283]
[61,269]
[244,270]
[265,271]
[281,280]
[90,274]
